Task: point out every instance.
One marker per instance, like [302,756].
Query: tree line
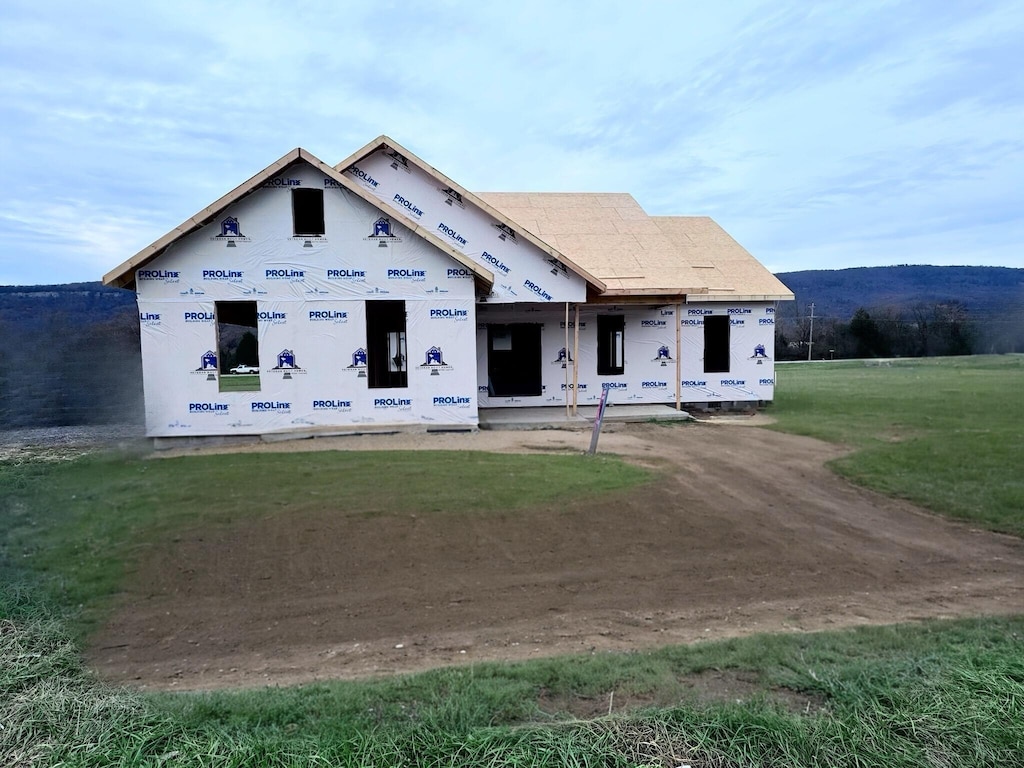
[64,370]
[919,330]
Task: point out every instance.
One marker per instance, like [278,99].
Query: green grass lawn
[233,382]
[946,433]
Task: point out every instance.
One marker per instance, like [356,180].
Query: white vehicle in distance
[245,369]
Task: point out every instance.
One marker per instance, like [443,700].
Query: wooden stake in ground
[597,422]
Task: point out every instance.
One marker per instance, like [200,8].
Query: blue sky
[820,135]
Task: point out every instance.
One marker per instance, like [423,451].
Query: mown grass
[78,525]
[946,433]
[937,694]
[239,382]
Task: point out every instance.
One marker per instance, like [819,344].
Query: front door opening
[514,360]
[387,358]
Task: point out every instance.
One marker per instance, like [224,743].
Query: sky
[820,135]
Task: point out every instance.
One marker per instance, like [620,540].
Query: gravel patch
[63,443]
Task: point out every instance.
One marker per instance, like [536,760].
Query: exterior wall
[310,301]
[311,295]
[650,354]
[522,271]
[751,375]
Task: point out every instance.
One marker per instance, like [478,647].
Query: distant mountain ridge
[839,293]
[903,311]
[32,306]
[69,354]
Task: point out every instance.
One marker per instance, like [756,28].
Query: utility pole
[810,336]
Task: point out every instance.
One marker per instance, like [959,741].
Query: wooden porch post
[566,362]
[575,358]
[679,357]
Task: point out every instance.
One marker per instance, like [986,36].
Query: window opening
[387,356]
[716,344]
[308,212]
[611,340]
[238,348]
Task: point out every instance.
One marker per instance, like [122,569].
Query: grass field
[232,382]
[946,433]
[931,694]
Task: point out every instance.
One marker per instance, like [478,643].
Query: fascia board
[122,276]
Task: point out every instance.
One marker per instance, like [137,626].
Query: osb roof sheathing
[729,269]
[610,235]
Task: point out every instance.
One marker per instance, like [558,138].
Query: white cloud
[82,241]
[822,135]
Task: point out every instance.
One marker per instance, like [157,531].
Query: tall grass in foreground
[946,433]
[938,694]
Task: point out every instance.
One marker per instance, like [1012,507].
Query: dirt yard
[745,531]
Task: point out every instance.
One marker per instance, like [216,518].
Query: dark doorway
[513,360]
[387,359]
[716,344]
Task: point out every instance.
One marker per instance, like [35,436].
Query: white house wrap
[380,292]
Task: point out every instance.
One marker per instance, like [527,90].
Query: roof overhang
[668,296]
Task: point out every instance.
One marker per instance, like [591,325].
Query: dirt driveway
[745,531]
